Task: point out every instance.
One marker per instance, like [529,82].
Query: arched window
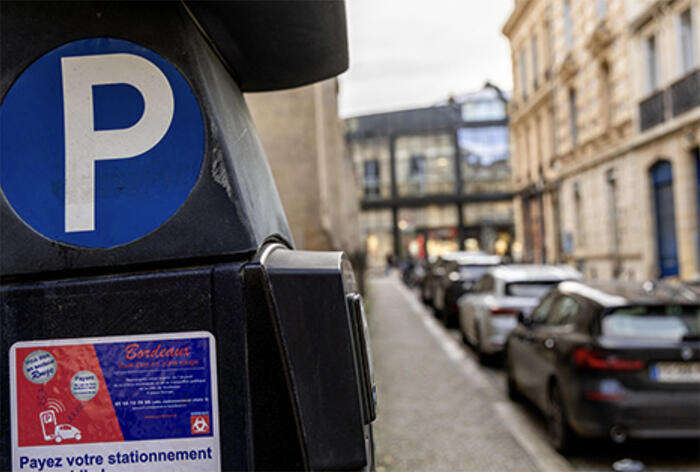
[664,208]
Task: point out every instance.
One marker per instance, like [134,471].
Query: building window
[483,145]
[666,248]
[611,185]
[528,153]
[535,64]
[687,42]
[538,145]
[553,134]
[549,44]
[484,110]
[606,108]
[523,73]
[573,117]
[416,174]
[578,208]
[372,183]
[568,26]
[652,64]
[601,8]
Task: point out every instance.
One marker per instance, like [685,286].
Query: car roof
[622,293]
[455,255]
[534,272]
[471,258]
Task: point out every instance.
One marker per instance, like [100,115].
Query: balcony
[685,93]
[652,110]
[680,97]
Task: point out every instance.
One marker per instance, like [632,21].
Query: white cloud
[406,53]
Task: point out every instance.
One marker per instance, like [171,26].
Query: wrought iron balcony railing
[652,110]
[685,93]
[681,96]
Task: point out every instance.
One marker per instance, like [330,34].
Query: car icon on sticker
[66,431]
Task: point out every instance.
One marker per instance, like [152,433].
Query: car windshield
[472,272]
[657,322]
[529,289]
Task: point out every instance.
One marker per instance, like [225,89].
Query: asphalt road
[439,410]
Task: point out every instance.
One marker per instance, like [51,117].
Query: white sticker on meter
[112,404]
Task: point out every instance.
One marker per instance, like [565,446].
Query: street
[438,409]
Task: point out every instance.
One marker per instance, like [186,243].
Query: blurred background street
[528,173]
[438,409]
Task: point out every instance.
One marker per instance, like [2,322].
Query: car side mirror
[525,320]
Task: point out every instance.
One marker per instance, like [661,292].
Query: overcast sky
[406,53]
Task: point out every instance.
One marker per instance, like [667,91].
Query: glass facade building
[442,173]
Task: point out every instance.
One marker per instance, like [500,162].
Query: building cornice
[514,18]
[437,199]
[688,120]
[655,8]
[568,68]
[581,254]
[691,118]
[543,92]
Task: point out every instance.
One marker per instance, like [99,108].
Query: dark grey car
[616,359]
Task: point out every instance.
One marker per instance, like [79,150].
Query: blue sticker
[168,380]
[101,142]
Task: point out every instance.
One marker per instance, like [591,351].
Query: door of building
[667,252]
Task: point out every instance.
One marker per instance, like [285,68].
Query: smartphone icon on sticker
[48,424]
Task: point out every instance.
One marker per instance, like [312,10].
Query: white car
[489,312]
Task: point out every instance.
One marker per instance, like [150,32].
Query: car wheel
[560,433]
[511,384]
[450,319]
[59,439]
[78,437]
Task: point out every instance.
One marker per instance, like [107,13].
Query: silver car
[490,311]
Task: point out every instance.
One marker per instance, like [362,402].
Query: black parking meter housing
[294,370]
[312,305]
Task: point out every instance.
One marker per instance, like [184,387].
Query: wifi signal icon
[55,405]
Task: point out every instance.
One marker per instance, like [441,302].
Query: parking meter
[154,314]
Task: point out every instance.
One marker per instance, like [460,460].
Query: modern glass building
[435,178]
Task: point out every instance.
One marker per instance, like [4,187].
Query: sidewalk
[431,417]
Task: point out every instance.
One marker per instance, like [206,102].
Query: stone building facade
[302,136]
[434,179]
[605,128]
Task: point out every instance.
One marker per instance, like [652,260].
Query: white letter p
[84,145]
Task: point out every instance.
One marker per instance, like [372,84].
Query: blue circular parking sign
[101,142]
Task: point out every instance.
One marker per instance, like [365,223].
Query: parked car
[489,312]
[456,275]
[616,359]
[427,281]
[413,272]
